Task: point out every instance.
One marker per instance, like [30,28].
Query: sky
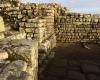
[83,6]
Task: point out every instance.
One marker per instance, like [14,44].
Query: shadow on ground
[74,63]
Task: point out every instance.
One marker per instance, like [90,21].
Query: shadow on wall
[16,25]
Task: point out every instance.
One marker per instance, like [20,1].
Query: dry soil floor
[74,63]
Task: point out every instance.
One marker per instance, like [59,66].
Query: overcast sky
[89,6]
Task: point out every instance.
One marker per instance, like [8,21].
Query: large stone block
[2,29]
[13,35]
[23,55]
[14,71]
[3,55]
[21,49]
[2,35]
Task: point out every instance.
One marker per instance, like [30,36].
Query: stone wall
[34,19]
[77,27]
[36,23]
[18,59]
[39,27]
[18,56]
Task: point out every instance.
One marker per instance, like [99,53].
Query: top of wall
[18,3]
[14,8]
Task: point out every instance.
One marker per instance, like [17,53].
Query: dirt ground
[74,63]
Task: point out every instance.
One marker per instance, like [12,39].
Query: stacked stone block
[49,17]
[13,35]
[22,11]
[76,27]
[6,6]
[58,8]
[50,41]
[34,29]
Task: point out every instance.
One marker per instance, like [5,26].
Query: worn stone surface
[23,55]
[1,35]
[13,35]
[76,27]
[16,70]
[2,28]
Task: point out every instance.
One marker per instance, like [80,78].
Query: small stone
[3,55]
[87,47]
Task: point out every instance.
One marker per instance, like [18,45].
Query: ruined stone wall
[18,56]
[77,27]
[48,24]
[18,59]
[29,16]
[36,23]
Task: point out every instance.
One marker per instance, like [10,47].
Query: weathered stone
[13,69]
[2,28]
[11,35]
[3,55]
[44,47]
[21,49]
[1,35]
[24,54]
